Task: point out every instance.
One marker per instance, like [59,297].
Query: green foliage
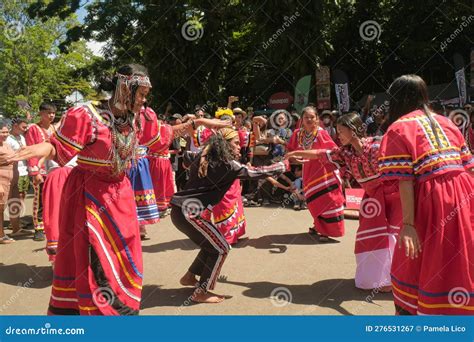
[245,47]
[32,67]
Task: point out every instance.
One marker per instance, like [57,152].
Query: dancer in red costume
[321,181]
[380,213]
[427,155]
[98,269]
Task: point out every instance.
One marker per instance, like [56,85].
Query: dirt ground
[279,270]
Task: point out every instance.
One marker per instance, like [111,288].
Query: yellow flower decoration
[223,111]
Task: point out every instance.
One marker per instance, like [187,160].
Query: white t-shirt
[16,143]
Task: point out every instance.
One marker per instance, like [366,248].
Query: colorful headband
[129,81]
[228,133]
[134,79]
[223,111]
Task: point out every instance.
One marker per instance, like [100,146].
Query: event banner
[323,90]
[302,92]
[461,81]
[342,95]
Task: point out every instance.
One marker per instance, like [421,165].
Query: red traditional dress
[228,214]
[53,192]
[246,144]
[140,176]
[159,157]
[98,269]
[36,135]
[380,214]
[441,279]
[321,183]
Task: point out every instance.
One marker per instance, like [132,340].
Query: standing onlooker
[328,121]
[6,176]
[38,133]
[21,181]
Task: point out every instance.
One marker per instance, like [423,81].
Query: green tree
[33,69]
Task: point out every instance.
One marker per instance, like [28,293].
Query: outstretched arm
[307,154]
[246,172]
[41,151]
[189,126]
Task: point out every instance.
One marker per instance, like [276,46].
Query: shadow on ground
[155,295]
[329,293]
[278,243]
[184,244]
[37,277]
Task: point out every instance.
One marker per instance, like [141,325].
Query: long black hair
[407,94]
[354,123]
[216,152]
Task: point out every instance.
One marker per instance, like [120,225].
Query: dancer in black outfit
[212,172]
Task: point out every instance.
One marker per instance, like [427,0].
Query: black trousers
[214,247]
[38,206]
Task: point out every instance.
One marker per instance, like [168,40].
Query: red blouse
[410,150]
[364,167]
[84,131]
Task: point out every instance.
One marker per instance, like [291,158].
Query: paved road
[280,258]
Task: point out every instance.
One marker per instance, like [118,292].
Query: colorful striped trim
[114,246]
[95,162]
[398,156]
[436,151]
[117,230]
[441,168]
[65,289]
[446,159]
[88,308]
[314,181]
[68,142]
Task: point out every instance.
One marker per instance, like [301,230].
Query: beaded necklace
[124,141]
[306,140]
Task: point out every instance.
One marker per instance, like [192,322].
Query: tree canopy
[205,50]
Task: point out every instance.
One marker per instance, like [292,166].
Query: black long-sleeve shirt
[209,190]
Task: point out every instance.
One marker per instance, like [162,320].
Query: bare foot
[386,289]
[189,279]
[199,296]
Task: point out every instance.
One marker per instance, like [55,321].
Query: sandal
[312,231]
[21,232]
[5,240]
